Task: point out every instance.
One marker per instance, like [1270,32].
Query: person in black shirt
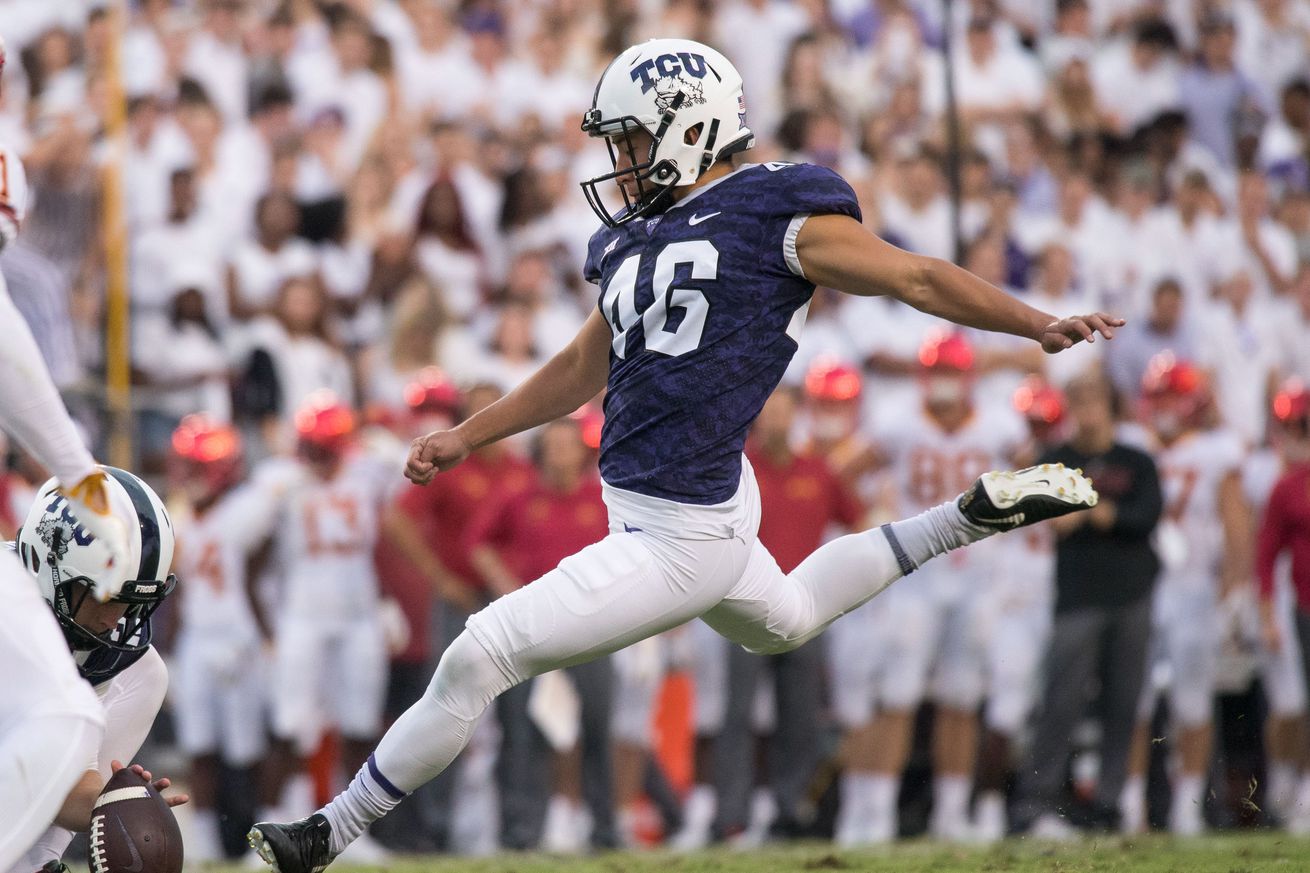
[1105,571]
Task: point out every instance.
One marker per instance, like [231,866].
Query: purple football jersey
[705,302]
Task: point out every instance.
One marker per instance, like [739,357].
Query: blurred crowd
[350,222]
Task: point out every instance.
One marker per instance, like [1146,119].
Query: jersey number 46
[664,334]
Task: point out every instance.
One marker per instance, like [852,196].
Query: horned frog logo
[56,533]
[668,87]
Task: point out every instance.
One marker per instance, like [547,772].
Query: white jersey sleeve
[13,195]
[30,406]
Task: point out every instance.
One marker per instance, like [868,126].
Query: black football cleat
[296,847]
[1005,500]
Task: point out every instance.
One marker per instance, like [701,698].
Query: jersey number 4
[669,336]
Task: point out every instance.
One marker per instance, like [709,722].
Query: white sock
[205,844]
[1189,791]
[884,791]
[702,803]
[369,796]
[1132,805]
[931,533]
[856,810]
[951,798]
[422,742]
[1282,785]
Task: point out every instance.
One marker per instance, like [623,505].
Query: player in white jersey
[930,636]
[1019,612]
[1204,546]
[219,688]
[1281,668]
[51,723]
[330,665]
[110,641]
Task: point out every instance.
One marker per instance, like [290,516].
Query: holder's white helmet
[683,93]
[59,552]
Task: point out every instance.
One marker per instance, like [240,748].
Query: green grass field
[1218,854]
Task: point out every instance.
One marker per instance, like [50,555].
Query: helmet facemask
[655,181]
[142,597]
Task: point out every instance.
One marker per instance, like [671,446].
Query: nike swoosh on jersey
[697,219]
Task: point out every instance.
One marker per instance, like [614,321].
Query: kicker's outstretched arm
[838,252]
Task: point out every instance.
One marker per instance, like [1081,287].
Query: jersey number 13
[669,336]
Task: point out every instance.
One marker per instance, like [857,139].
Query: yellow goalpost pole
[118,361]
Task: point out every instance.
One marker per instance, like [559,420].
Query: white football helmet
[58,550]
[683,93]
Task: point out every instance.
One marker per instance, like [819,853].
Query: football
[133,830]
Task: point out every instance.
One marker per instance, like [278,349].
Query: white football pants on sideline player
[50,721]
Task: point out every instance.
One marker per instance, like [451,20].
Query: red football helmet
[432,392]
[1291,406]
[1175,394]
[210,454]
[325,427]
[831,379]
[945,351]
[591,422]
[1166,376]
[1039,402]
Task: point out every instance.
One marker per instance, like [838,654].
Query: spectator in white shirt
[1284,139]
[217,59]
[1265,249]
[1070,36]
[1138,81]
[446,251]
[993,83]
[1240,348]
[917,212]
[180,367]
[186,238]
[756,34]
[1027,172]
[1272,36]
[420,335]
[1185,240]
[1294,214]
[260,266]
[358,92]
[303,350]
[1072,106]
[511,355]
[1293,326]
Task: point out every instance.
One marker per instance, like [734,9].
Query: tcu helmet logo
[57,531]
[669,74]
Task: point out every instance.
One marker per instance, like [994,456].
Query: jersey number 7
[619,301]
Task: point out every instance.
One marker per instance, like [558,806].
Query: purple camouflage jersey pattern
[699,301]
